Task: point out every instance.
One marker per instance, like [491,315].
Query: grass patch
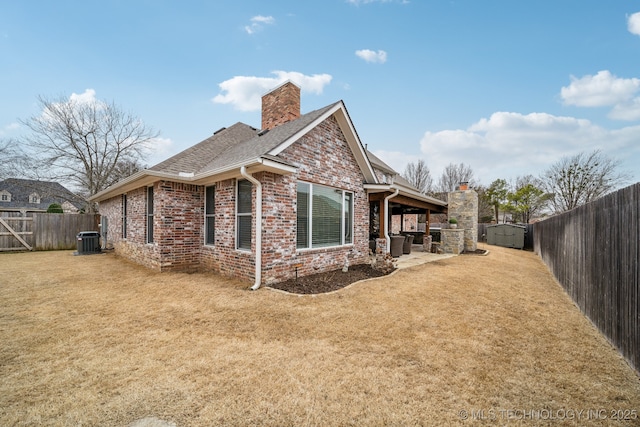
[96,340]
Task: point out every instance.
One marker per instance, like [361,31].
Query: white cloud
[245,92]
[508,144]
[372,56]
[258,22]
[86,97]
[633,23]
[627,111]
[604,90]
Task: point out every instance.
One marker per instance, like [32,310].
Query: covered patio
[400,215]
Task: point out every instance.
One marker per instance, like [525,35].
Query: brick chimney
[281,105]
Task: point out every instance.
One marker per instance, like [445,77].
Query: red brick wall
[134,246]
[322,156]
[223,257]
[280,105]
[178,224]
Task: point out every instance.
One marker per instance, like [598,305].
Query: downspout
[386,216]
[250,178]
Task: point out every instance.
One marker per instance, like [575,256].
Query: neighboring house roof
[223,154]
[47,192]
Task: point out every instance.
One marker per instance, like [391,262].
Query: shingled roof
[221,155]
[235,145]
[48,192]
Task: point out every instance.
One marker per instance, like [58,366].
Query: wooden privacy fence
[43,231]
[593,251]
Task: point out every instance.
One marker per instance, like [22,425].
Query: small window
[150,215]
[34,198]
[210,215]
[304,192]
[348,218]
[5,196]
[124,216]
[243,215]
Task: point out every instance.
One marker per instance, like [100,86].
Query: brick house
[307,178]
[27,195]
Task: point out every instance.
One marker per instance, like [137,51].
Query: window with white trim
[243,215]
[210,215]
[324,216]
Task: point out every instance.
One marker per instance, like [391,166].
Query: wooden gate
[16,233]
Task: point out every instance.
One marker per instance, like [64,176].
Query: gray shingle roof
[196,157]
[235,145]
[49,192]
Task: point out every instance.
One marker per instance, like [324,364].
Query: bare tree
[12,159]
[6,154]
[85,142]
[124,169]
[419,176]
[574,181]
[485,208]
[453,175]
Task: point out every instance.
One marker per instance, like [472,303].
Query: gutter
[148,175]
[258,273]
[386,216]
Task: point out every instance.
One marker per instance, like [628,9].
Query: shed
[507,235]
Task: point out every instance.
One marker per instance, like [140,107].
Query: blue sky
[506,87]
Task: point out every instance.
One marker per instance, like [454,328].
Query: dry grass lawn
[96,340]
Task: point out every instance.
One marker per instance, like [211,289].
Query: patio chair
[406,246]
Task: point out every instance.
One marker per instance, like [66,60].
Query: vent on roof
[262,132]
[218,131]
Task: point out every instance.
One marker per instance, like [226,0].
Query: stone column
[452,241]
[463,206]
[426,242]
[381,249]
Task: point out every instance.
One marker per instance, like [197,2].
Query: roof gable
[339,111]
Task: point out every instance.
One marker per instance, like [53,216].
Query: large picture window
[325,216]
[210,216]
[149,214]
[243,215]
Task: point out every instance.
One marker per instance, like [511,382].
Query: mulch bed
[337,279]
[326,282]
